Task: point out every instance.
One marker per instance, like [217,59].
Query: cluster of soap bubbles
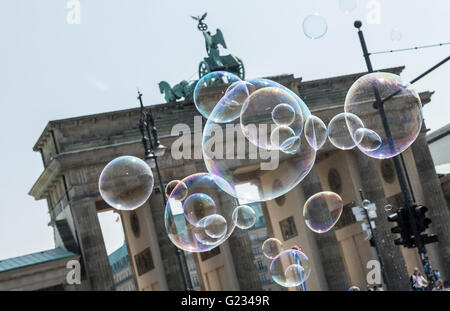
[289,267]
[199,214]
[266,120]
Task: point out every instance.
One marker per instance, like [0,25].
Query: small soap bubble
[315,26]
[272,247]
[315,132]
[244,217]
[290,268]
[322,211]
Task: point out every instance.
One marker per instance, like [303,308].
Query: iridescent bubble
[197,237]
[339,130]
[181,189]
[209,91]
[215,225]
[244,217]
[315,26]
[257,115]
[126,183]
[368,139]
[397,119]
[354,289]
[242,149]
[347,5]
[290,268]
[197,206]
[322,211]
[271,248]
[283,115]
[315,132]
[231,103]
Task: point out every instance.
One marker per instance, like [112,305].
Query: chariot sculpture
[214,62]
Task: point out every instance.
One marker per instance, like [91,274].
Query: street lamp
[408,194]
[154,149]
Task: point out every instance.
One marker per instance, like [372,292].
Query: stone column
[330,252]
[243,259]
[174,276]
[391,254]
[438,210]
[93,251]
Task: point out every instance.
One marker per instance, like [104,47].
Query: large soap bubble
[396,120]
[126,183]
[315,132]
[210,90]
[205,227]
[322,211]
[339,130]
[256,152]
[290,268]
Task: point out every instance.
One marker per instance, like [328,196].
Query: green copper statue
[214,62]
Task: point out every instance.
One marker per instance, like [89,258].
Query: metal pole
[147,117]
[375,244]
[379,104]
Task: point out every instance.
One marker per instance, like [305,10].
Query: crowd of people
[420,283]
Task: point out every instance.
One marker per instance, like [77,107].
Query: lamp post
[154,149]
[407,193]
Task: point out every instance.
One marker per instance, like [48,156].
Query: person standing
[419,283]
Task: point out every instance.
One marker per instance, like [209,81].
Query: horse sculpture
[178,91]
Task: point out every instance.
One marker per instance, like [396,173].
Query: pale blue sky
[52,70]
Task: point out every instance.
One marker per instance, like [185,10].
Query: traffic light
[422,222]
[403,228]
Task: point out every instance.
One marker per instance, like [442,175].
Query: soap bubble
[315,26]
[203,230]
[211,88]
[354,289]
[180,193]
[126,183]
[238,161]
[315,132]
[244,217]
[231,103]
[197,206]
[283,115]
[257,115]
[347,5]
[290,268]
[402,112]
[322,211]
[339,130]
[272,247]
[368,139]
[215,225]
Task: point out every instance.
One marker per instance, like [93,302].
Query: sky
[50,69]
